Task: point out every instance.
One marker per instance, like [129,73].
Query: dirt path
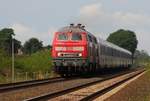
[138,90]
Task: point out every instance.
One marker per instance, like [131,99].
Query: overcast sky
[40,18]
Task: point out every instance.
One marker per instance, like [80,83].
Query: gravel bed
[18,95]
[38,90]
[84,92]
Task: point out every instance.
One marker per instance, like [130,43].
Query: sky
[41,18]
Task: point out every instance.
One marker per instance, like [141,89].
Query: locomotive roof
[75,29]
[72,28]
[108,44]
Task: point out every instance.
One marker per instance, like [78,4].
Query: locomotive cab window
[76,36]
[62,36]
[89,38]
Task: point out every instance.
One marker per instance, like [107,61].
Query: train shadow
[102,72]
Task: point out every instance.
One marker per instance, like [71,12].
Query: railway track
[85,92]
[25,84]
[23,90]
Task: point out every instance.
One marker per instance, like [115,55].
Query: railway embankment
[137,90]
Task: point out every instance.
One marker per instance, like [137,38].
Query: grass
[37,63]
[5,66]
[147,97]
[5,61]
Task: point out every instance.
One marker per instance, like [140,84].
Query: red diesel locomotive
[75,50]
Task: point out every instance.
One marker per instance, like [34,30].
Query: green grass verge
[146,92]
[39,61]
[5,61]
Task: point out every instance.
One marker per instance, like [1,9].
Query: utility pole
[13,57]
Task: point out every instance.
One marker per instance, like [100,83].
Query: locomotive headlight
[78,48]
[59,54]
[80,54]
[60,48]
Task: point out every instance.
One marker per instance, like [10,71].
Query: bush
[39,61]
[5,61]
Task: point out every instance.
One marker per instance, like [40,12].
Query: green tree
[32,46]
[17,45]
[125,39]
[6,41]
[48,47]
[141,57]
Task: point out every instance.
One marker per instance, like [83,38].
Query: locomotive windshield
[76,36]
[63,36]
[72,36]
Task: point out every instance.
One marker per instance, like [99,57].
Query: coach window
[102,49]
[117,53]
[104,52]
[109,51]
[62,36]
[95,41]
[124,55]
[106,49]
[121,54]
[113,51]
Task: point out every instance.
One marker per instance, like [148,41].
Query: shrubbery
[5,61]
[36,62]
[39,61]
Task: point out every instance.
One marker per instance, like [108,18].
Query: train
[76,50]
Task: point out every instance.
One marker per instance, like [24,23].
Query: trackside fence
[26,76]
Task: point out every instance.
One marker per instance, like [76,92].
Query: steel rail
[105,90]
[25,84]
[50,95]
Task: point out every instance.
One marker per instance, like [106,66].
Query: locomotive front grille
[70,61]
[69,54]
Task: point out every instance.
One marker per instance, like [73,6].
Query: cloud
[91,10]
[131,19]
[89,14]
[24,33]
[122,1]
[102,22]
[95,14]
[47,36]
[143,38]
